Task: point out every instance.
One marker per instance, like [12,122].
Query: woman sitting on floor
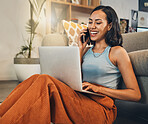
[42,99]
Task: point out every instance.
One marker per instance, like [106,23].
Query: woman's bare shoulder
[119,54]
[118,50]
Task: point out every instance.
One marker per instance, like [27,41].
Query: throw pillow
[72,30]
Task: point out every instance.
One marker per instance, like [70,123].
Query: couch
[136,45]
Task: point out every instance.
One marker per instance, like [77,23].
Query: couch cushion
[143,85]
[139,61]
[54,39]
[135,41]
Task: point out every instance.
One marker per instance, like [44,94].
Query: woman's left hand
[91,87]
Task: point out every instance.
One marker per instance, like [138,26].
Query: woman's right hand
[82,45]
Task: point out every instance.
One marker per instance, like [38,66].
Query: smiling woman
[102,66]
[109,66]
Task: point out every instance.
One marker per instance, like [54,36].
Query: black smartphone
[84,38]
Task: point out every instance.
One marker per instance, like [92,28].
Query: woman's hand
[91,87]
[82,45]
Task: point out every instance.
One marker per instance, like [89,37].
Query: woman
[104,30]
[41,98]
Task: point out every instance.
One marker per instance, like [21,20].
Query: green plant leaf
[31,26]
[37,6]
[24,48]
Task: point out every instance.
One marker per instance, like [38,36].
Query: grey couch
[136,45]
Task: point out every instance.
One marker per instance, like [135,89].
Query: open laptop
[63,63]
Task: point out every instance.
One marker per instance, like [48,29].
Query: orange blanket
[41,99]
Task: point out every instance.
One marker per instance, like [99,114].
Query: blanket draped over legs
[42,99]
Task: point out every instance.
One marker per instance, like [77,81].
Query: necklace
[96,56]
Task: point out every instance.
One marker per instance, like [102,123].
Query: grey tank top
[97,68]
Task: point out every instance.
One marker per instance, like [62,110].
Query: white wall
[13,17]
[9,36]
[122,7]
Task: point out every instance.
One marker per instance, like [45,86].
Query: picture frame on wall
[124,25]
[76,1]
[134,20]
[142,19]
[143,5]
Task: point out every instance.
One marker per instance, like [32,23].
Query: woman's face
[98,25]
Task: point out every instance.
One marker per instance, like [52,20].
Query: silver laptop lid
[63,63]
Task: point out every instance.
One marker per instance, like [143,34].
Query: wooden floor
[5,88]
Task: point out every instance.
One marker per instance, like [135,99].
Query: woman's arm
[82,46]
[119,57]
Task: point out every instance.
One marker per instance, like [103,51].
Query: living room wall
[15,13]
[10,25]
[122,7]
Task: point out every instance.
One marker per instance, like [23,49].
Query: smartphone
[84,38]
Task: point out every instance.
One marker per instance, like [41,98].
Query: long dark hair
[113,36]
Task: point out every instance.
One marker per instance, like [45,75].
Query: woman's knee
[46,78]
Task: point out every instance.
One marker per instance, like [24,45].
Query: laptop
[63,63]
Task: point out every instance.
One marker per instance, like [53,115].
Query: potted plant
[27,66]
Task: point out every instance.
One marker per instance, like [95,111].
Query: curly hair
[113,36]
